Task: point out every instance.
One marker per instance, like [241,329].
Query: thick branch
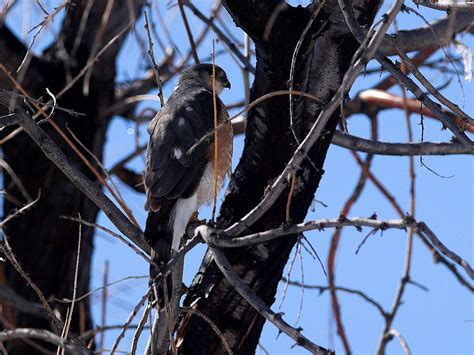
[399,149]
[424,37]
[404,80]
[254,300]
[365,52]
[222,36]
[269,146]
[447,5]
[252,15]
[221,241]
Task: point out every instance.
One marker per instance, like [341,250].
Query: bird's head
[202,73]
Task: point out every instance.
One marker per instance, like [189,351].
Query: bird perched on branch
[177,181]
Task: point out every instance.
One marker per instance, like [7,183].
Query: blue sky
[437,321]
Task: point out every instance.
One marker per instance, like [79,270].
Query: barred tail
[159,235]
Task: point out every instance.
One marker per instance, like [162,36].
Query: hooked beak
[227,84]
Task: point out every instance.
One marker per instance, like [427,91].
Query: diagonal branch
[424,37]
[254,300]
[278,186]
[404,80]
[52,151]
[245,61]
[382,99]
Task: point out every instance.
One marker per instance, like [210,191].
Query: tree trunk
[324,57]
[44,244]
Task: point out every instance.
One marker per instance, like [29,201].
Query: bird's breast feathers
[184,208]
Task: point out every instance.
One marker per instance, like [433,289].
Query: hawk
[178,183]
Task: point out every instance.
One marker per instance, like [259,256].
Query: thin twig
[95,45]
[5,166]
[87,294]
[347,10]
[403,343]
[112,233]
[188,31]
[255,301]
[209,321]
[314,134]
[336,238]
[293,63]
[216,142]
[105,282]
[18,212]
[221,36]
[139,330]
[159,83]
[253,104]
[129,321]
[433,91]
[78,178]
[11,257]
[67,324]
[322,289]
[397,302]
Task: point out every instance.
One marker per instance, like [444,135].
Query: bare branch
[357,31]
[322,289]
[428,36]
[466,5]
[403,343]
[245,61]
[41,334]
[254,300]
[398,149]
[129,321]
[112,233]
[188,31]
[159,83]
[432,90]
[90,189]
[11,257]
[382,99]
[252,16]
[216,239]
[140,327]
[211,324]
[293,165]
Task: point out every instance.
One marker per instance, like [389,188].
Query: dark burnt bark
[44,244]
[323,58]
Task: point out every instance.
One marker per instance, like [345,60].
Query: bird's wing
[170,172]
